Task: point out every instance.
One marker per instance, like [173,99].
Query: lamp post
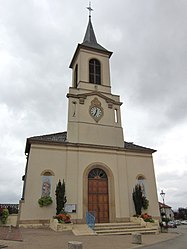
[162,194]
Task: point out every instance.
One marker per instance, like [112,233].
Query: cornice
[93,93]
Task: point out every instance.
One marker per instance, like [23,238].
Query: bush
[140,201]
[4,215]
[60,196]
[145,203]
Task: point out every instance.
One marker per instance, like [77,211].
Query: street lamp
[162,195]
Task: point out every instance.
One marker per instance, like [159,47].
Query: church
[99,168]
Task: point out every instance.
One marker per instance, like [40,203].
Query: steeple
[90,38]
[89,41]
[90,35]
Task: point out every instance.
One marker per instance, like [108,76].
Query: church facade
[100,170]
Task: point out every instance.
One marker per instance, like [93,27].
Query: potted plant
[63,217]
[45,201]
[147,218]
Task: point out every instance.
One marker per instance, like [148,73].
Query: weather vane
[90,9]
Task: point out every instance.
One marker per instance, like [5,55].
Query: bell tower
[94,115]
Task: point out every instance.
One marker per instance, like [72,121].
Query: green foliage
[147,218]
[165,220]
[4,215]
[145,203]
[60,197]
[63,217]
[45,201]
[140,201]
[137,198]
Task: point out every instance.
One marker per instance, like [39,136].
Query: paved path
[48,239]
[179,242]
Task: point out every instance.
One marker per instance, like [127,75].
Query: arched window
[94,71]
[46,182]
[97,174]
[142,182]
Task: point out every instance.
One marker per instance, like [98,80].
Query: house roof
[163,205]
[60,138]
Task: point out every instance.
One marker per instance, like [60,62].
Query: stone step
[116,224]
[142,229]
[127,232]
[103,228]
[123,229]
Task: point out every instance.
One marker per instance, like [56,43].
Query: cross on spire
[90,9]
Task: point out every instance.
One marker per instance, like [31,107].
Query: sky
[148,70]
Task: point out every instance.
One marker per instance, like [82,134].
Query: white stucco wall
[70,163]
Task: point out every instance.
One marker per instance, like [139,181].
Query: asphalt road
[179,242]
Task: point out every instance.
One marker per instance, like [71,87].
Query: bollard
[136,238]
[74,245]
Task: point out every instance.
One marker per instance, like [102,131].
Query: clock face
[96,111]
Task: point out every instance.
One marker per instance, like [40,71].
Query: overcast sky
[148,69]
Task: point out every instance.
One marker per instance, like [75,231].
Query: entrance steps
[124,228]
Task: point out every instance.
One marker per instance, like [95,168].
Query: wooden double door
[98,203]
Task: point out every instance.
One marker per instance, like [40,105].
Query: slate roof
[89,43]
[61,138]
[90,38]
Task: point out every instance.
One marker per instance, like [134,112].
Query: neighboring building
[167,210]
[100,169]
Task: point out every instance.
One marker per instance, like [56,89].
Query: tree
[140,201]
[60,197]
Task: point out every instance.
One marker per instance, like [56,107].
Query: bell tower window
[95,71]
[76,76]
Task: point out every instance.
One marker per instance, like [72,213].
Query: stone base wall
[11,221]
[60,227]
[34,223]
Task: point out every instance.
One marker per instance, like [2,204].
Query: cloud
[176,195]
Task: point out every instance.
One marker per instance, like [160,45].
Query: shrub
[60,196]
[140,201]
[145,203]
[4,215]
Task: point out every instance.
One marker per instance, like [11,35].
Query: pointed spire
[90,35]
[90,38]
[90,41]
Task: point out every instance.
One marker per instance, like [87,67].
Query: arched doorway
[98,201]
